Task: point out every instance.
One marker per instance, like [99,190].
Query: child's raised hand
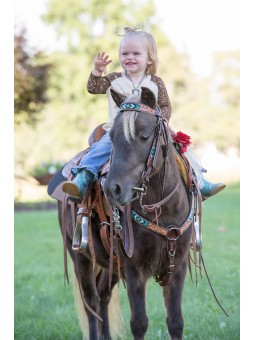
[101,61]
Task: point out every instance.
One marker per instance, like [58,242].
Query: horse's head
[133,137]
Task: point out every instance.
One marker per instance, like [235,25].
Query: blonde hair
[150,46]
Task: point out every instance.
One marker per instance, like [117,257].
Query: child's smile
[133,56]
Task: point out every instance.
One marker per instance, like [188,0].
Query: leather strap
[111,252]
[114,257]
[152,207]
[64,231]
[83,298]
[170,231]
[64,235]
[104,221]
[129,235]
[88,207]
[103,218]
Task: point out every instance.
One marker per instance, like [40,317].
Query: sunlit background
[55,43]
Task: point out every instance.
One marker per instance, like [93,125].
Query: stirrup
[81,235]
[198,238]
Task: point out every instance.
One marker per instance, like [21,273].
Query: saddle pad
[54,188]
[183,169]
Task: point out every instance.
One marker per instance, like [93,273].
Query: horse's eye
[144,137]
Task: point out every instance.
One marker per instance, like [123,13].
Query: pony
[150,230]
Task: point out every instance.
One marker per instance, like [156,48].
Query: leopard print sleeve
[163,99]
[99,85]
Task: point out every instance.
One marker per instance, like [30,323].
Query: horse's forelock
[129,118]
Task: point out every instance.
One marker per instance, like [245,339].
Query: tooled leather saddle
[94,202]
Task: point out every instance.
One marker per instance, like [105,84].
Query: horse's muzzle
[117,194]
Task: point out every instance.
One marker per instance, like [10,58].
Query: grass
[44,307]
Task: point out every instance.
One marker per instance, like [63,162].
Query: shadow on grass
[28,206]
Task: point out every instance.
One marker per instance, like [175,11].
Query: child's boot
[78,186]
[210,189]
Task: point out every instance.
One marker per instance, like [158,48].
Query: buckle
[172,233]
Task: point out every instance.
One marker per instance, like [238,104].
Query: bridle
[161,139]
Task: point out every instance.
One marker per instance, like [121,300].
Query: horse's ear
[117,97]
[148,97]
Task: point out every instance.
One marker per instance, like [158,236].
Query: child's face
[133,56]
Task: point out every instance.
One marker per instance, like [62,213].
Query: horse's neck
[177,205]
[169,177]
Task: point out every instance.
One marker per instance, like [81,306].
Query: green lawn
[44,307]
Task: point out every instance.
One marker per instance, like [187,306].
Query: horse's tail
[116,322]
[82,317]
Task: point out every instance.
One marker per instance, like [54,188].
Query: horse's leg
[105,295]
[87,284]
[136,292]
[173,300]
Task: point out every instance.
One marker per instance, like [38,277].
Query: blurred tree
[30,81]
[225,97]
[202,107]
[88,27]
[226,78]
[91,26]
[208,109]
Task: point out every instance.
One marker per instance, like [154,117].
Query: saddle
[93,202]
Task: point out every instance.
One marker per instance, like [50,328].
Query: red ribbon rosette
[182,140]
